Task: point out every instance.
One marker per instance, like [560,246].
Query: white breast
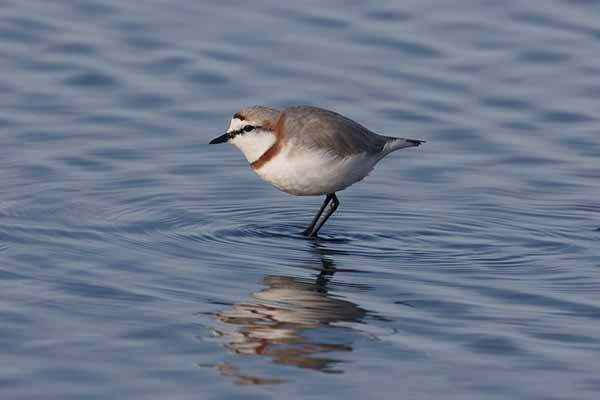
[315,172]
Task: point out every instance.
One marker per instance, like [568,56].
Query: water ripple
[126,239]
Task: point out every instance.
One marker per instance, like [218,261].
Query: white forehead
[236,124]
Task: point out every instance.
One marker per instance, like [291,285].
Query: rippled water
[139,262]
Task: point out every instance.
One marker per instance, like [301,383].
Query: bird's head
[253,130]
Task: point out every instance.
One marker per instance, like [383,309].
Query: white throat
[253,144]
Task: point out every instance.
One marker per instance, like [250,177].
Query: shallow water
[139,262]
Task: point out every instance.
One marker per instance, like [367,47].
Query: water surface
[139,262]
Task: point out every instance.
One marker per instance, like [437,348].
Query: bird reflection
[281,323]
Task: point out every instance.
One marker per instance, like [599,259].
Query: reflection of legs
[326,273]
[333,206]
[308,231]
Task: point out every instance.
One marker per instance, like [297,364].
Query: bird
[308,151]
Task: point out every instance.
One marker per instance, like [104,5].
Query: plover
[308,151]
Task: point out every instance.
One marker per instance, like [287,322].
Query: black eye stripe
[247,128]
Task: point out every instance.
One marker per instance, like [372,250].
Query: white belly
[315,172]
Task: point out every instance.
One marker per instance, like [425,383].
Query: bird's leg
[334,205]
[308,231]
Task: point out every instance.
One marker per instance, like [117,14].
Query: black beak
[221,139]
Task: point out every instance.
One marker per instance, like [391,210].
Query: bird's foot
[309,234]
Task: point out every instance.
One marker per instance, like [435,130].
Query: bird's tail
[399,143]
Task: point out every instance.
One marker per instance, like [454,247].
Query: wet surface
[137,261]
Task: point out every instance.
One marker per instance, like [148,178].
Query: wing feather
[314,127]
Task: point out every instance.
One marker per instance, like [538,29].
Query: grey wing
[314,127]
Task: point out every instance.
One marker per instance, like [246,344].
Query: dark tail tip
[415,142]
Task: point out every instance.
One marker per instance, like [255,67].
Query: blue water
[136,261]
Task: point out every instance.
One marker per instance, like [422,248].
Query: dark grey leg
[308,231]
[334,205]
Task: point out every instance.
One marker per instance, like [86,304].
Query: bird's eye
[248,128]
